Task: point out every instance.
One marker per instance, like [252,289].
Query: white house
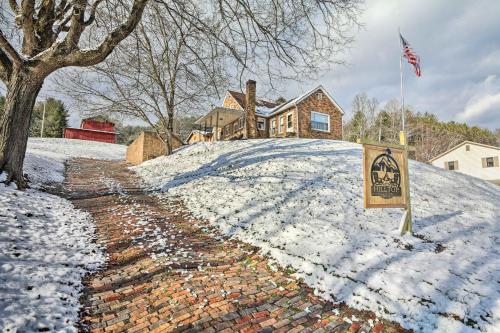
[471,158]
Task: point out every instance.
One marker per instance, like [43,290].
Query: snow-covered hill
[44,161]
[301,202]
[46,246]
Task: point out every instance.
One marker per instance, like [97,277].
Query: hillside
[301,202]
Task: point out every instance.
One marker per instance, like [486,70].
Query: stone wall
[134,150]
[323,105]
[148,146]
[285,132]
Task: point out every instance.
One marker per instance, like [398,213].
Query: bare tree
[166,67]
[50,32]
[361,126]
[286,38]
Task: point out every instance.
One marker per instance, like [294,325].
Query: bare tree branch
[14,6]
[9,51]
[91,18]
[97,55]
[30,42]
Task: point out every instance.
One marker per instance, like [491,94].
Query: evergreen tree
[56,119]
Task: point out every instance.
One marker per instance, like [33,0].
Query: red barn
[93,129]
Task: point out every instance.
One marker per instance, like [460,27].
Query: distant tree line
[426,133]
[56,118]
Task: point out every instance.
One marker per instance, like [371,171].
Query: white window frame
[261,121]
[289,129]
[322,114]
[281,123]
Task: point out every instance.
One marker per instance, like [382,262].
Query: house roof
[265,108]
[298,99]
[89,130]
[460,145]
[240,98]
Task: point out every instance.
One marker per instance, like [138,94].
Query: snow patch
[44,161]
[46,247]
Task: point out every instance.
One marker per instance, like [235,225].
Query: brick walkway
[168,272]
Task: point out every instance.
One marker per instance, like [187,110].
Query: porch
[217,119]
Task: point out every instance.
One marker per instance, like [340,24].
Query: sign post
[406,224]
[386,180]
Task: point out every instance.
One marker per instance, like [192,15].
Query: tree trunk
[168,142]
[22,90]
[170,129]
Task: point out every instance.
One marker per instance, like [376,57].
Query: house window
[241,121]
[320,96]
[320,121]
[451,165]
[235,126]
[467,148]
[289,122]
[261,124]
[490,163]
[273,126]
[281,124]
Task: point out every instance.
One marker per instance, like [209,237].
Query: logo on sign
[386,176]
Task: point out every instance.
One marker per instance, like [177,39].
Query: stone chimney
[251,121]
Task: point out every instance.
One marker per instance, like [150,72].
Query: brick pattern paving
[168,272]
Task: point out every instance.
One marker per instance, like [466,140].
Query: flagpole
[406,224]
[401,82]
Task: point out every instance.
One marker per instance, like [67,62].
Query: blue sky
[459,46]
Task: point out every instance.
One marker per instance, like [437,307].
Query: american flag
[412,57]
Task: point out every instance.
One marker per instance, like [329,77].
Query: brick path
[168,272]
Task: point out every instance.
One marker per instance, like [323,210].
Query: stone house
[314,114]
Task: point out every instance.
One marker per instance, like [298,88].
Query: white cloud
[483,105]
[484,102]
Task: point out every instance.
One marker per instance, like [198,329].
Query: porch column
[211,128]
[217,126]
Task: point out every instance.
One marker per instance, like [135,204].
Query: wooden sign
[384,173]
